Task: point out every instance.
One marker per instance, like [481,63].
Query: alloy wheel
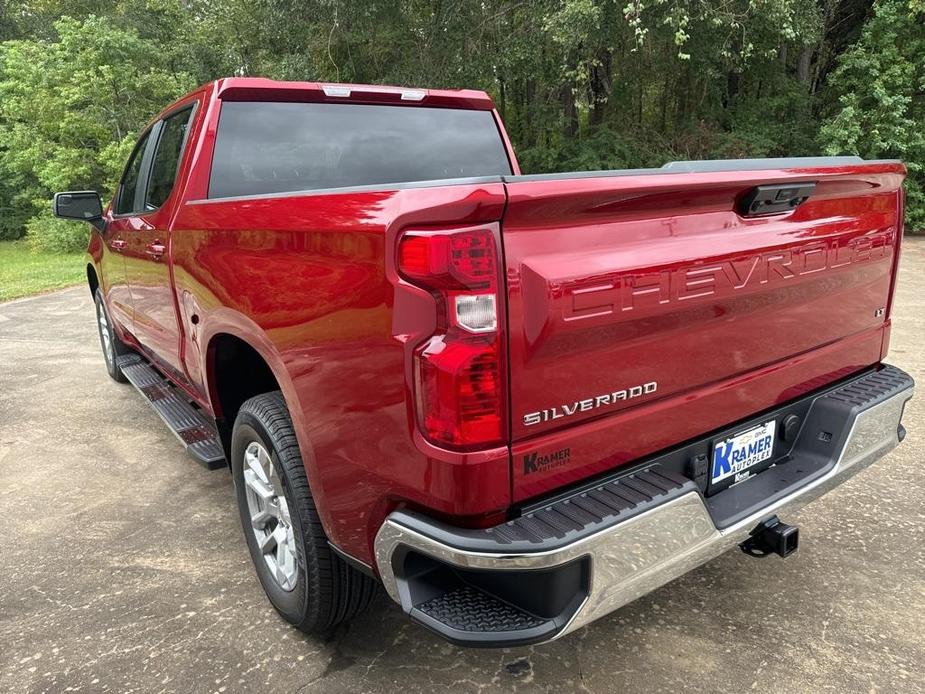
[271,522]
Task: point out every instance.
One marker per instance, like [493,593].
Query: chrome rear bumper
[631,558]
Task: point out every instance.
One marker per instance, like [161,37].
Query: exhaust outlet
[772,537]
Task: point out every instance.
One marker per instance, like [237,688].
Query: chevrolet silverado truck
[517,402]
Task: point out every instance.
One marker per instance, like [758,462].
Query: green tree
[71,107]
[879,93]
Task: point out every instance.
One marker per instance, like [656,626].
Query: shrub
[48,234]
[12,224]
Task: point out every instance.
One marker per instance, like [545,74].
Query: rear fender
[230,322]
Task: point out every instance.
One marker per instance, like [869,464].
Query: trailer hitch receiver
[772,537]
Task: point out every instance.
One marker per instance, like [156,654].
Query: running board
[184,418]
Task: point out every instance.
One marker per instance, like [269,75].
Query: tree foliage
[879,93]
[71,106]
[581,84]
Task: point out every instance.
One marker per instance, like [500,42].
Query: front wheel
[308,584]
[112,346]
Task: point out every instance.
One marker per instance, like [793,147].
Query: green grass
[23,272]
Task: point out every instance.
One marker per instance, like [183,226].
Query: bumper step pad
[560,521]
[467,608]
[185,420]
[602,504]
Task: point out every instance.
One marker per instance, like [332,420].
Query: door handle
[156,250]
[117,245]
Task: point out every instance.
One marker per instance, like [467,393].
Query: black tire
[115,347]
[327,590]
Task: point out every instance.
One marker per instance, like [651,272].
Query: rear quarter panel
[303,279]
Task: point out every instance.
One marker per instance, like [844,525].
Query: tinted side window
[265,147]
[167,158]
[131,179]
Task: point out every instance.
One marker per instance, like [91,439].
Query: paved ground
[123,568]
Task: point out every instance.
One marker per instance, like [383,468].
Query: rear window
[265,147]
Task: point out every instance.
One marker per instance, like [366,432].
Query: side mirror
[82,205]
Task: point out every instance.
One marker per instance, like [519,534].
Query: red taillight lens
[422,257]
[450,260]
[460,392]
[472,260]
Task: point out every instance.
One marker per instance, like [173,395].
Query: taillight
[458,371]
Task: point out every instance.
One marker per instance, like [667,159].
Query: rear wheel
[308,584]
[112,346]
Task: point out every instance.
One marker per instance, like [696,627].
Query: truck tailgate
[644,309]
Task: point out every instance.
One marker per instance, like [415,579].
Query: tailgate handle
[774,199]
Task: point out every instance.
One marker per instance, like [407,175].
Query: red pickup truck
[518,402]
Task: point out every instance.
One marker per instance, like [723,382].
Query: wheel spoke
[265,514]
[274,540]
[260,519]
[256,465]
[273,477]
[283,509]
[258,486]
[267,543]
[286,561]
[105,339]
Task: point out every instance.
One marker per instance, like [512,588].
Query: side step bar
[184,418]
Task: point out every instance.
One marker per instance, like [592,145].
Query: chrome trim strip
[646,551]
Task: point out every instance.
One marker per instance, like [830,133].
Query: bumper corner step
[470,616]
[467,608]
[188,423]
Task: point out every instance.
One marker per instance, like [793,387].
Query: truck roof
[262,89]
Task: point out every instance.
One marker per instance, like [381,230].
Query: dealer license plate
[736,458]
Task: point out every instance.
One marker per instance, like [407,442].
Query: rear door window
[167,158]
[264,147]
